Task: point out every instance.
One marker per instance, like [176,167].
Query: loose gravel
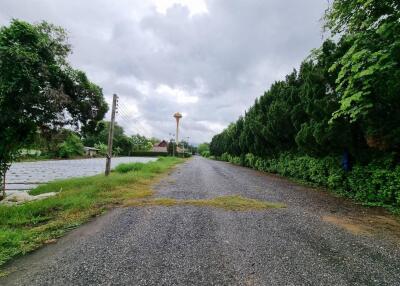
[187,245]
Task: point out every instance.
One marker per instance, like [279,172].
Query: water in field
[27,175]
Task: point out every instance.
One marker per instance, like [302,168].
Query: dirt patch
[368,224]
[347,225]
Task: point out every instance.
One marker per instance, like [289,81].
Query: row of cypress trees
[343,102]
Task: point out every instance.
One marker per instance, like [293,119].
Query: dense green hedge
[157,154]
[186,155]
[148,154]
[375,183]
[205,154]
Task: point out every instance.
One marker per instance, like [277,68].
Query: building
[160,147]
[90,151]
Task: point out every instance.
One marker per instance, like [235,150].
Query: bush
[185,155]
[103,148]
[205,154]
[231,159]
[148,154]
[128,167]
[375,183]
[225,157]
[71,147]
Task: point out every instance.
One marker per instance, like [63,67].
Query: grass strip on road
[26,227]
[229,203]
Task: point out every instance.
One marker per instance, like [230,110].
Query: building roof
[162,144]
[90,148]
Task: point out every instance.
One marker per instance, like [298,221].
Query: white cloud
[194,6]
[208,59]
[176,95]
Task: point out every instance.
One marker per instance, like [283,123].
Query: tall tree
[369,77]
[39,89]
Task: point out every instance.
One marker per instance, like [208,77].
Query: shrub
[128,167]
[205,154]
[225,157]
[234,160]
[102,148]
[72,146]
[186,155]
[148,154]
[375,183]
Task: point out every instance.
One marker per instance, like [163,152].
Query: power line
[125,115]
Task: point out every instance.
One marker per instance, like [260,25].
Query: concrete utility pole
[3,187]
[172,141]
[111,135]
[189,148]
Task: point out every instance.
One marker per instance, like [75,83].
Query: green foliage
[185,155]
[369,72]
[231,159]
[128,167]
[148,154]
[205,154]
[122,144]
[102,148]
[38,88]
[373,184]
[71,147]
[345,99]
[203,147]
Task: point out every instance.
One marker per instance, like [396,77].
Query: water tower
[177,116]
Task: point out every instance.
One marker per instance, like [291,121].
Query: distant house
[90,151]
[160,147]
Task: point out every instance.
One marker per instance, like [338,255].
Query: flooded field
[27,175]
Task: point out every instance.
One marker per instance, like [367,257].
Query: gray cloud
[209,66]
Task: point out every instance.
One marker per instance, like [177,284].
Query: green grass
[26,227]
[125,168]
[229,203]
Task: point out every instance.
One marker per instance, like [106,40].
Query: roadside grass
[229,203]
[127,167]
[26,227]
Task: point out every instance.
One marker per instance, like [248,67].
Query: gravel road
[317,240]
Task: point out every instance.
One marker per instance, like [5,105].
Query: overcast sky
[208,59]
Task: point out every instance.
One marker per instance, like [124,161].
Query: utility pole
[189,148]
[3,187]
[111,135]
[171,140]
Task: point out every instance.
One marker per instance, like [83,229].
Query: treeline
[66,143]
[336,121]
[123,144]
[39,89]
